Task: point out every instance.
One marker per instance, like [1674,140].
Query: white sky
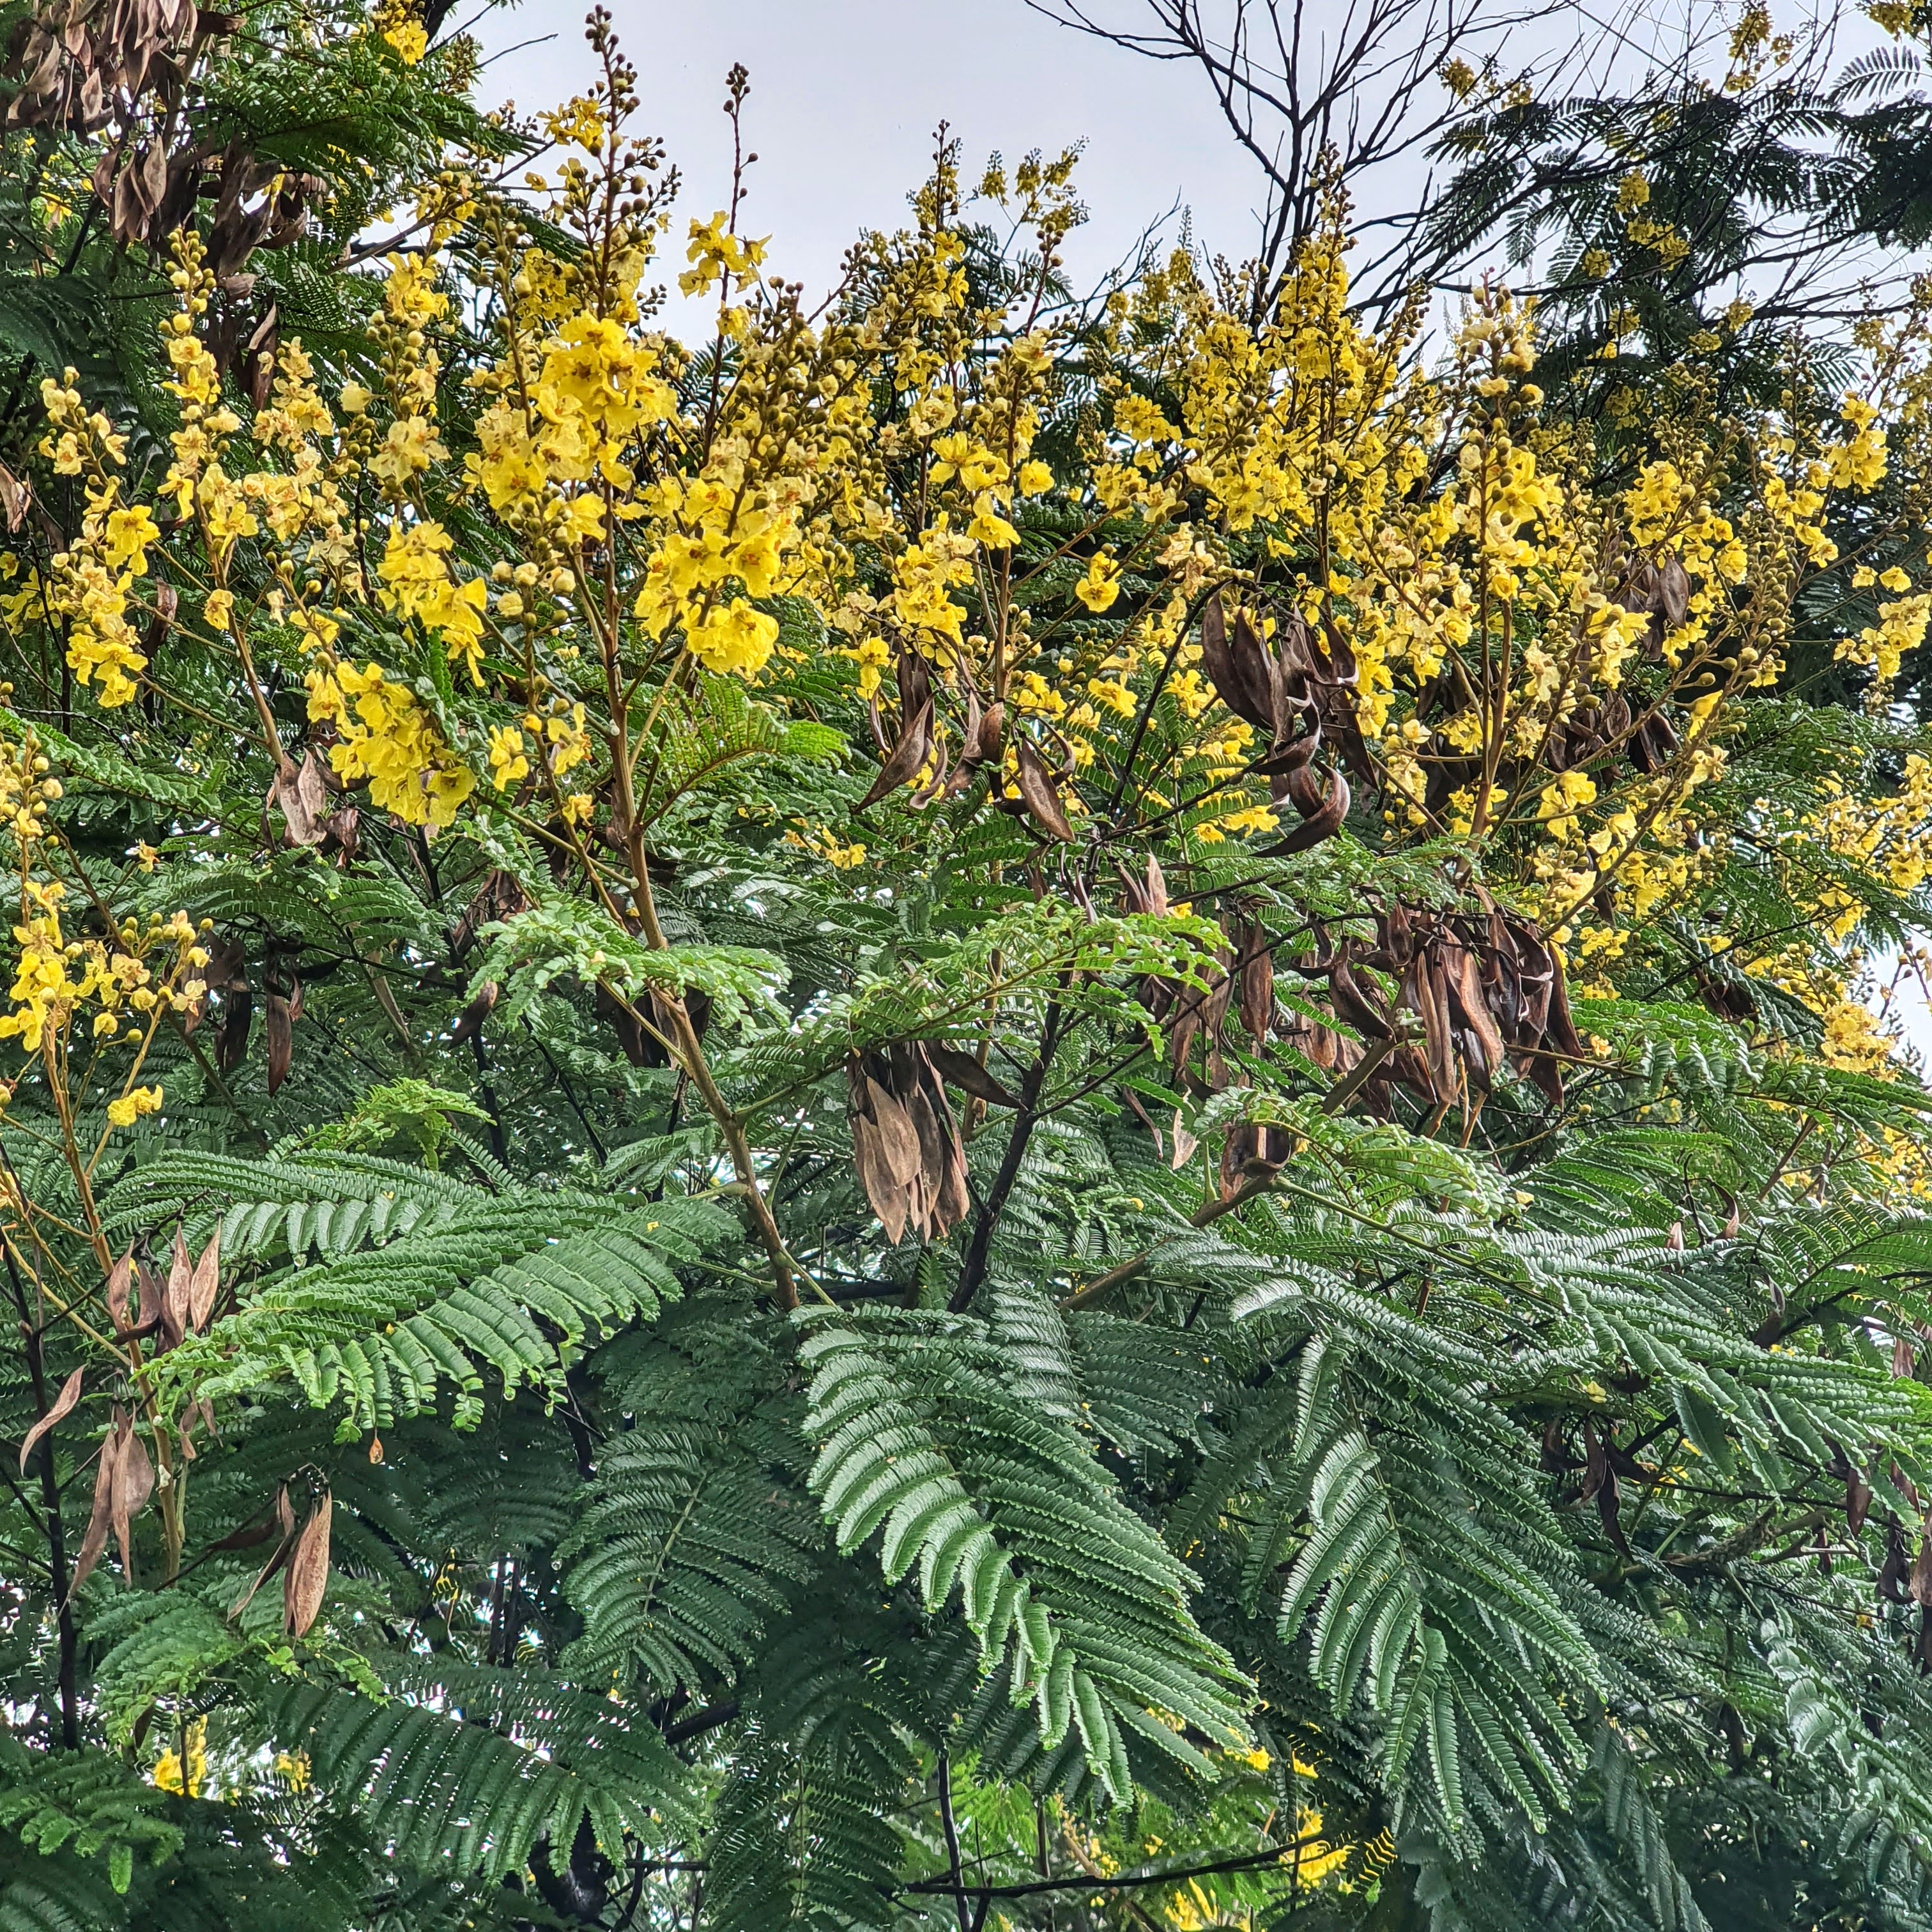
[846,95]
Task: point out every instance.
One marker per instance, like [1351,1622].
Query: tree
[1056,1114]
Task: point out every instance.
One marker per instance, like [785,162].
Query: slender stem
[70,1696]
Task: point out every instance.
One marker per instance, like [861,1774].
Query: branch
[1125,1881]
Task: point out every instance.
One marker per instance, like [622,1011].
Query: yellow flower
[418,585]
[385,736]
[736,638]
[1101,585]
[713,252]
[508,760]
[130,531]
[129,1108]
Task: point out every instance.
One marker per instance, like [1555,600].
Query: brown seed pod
[308,1578]
[134,1483]
[62,1406]
[206,1284]
[961,1070]
[300,794]
[903,764]
[175,1302]
[281,1040]
[1037,793]
[482,1003]
[101,1516]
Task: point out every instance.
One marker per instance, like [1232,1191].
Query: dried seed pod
[148,1316]
[15,497]
[342,835]
[300,794]
[101,1516]
[1891,1576]
[238,1013]
[285,1522]
[308,1578]
[167,601]
[637,1046]
[281,1040]
[1424,994]
[963,1071]
[120,1282]
[482,1003]
[1653,744]
[1037,793]
[986,741]
[175,1298]
[206,1284]
[1257,1002]
[1324,822]
[1253,1152]
[134,1483]
[1671,601]
[62,1406]
[905,760]
[906,1144]
[885,1144]
[1238,666]
[1478,1037]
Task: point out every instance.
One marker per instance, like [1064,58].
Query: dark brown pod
[908,754]
[1037,793]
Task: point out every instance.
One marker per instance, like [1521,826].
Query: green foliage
[1504,1518]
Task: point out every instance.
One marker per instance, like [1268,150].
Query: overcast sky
[845,97]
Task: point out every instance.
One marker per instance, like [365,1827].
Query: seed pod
[308,1578]
[281,1040]
[1037,793]
[63,1406]
[1891,1576]
[1257,981]
[1323,823]
[207,1281]
[1919,1586]
[101,1516]
[120,1281]
[134,1483]
[341,834]
[299,793]
[963,1071]
[985,741]
[1238,667]
[15,497]
[167,602]
[149,1314]
[906,758]
[483,1003]
[285,1521]
[175,1299]
[1672,598]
